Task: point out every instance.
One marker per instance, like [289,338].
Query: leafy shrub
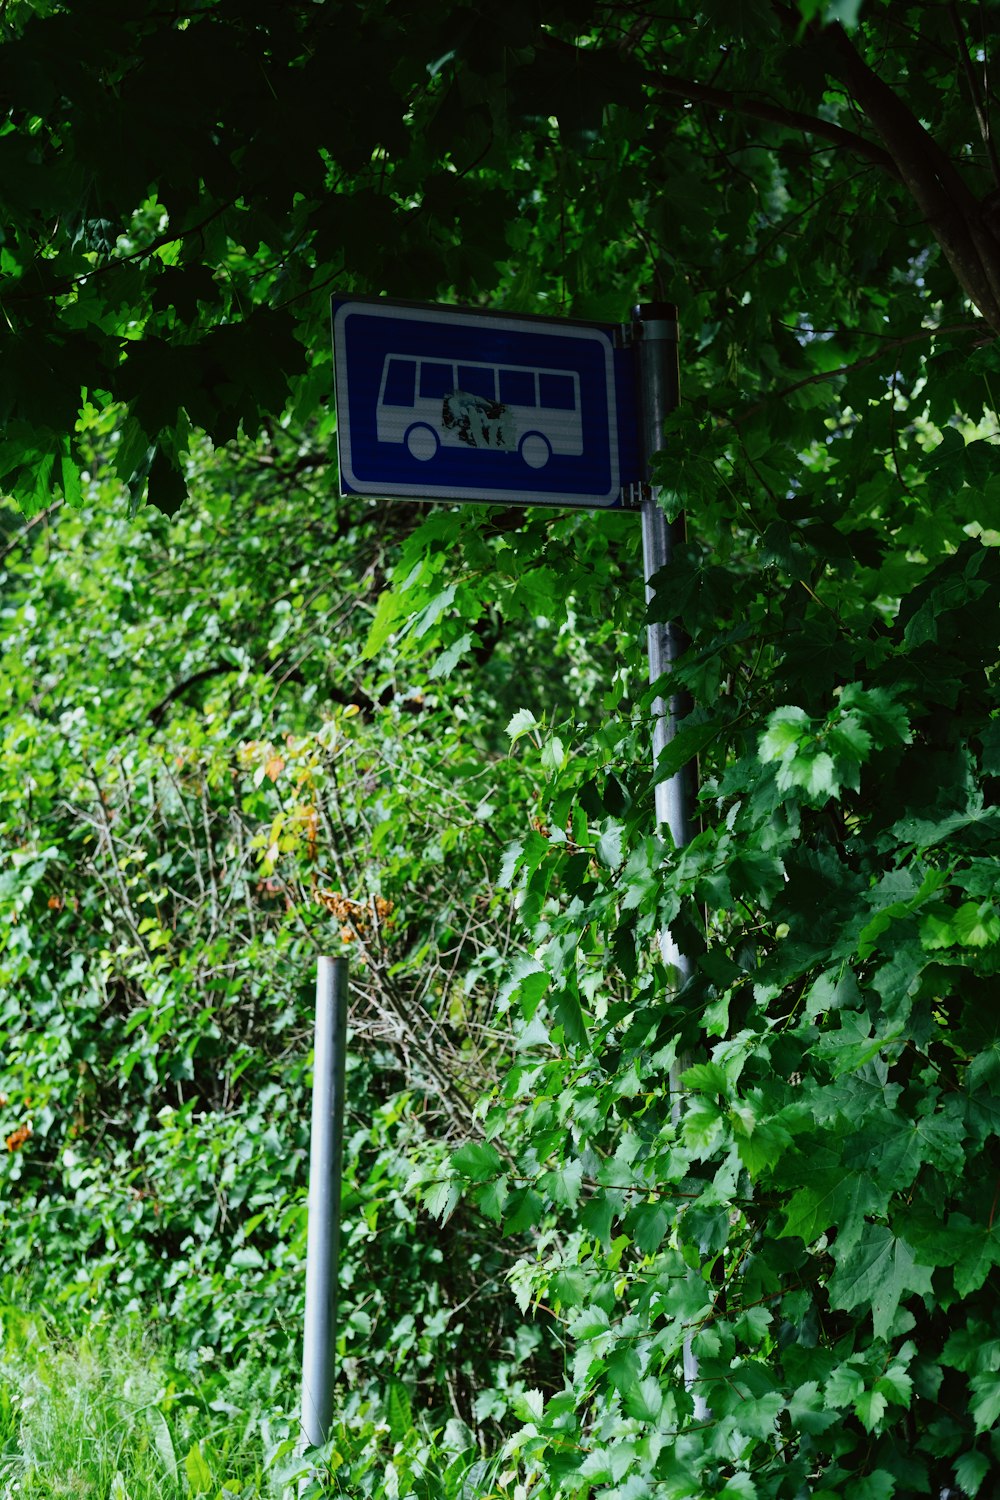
[198,798]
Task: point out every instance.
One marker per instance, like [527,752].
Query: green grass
[108,1415]
[105,1417]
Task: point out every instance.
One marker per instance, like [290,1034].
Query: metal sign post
[655,332]
[655,328]
[319,1349]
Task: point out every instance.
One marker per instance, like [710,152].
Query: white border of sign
[536,326]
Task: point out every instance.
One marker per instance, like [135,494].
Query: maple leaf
[878,1272]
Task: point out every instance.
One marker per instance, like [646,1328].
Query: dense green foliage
[211,774]
[813,1210]
[183,187]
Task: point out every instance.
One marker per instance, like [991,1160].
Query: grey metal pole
[325,1167]
[654,327]
[654,330]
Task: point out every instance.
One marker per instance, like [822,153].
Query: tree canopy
[810,1210]
[183,186]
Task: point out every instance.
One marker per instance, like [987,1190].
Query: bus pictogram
[428,404]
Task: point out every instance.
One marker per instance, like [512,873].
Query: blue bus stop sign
[440,403]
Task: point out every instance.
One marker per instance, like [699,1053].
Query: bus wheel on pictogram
[535,450]
[422,441]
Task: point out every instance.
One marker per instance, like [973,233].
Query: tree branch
[63,284]
[980,105]
[889,347]
[947,203]
[217,669]
[776,114]
[347,698]
[23,532]
[743,104]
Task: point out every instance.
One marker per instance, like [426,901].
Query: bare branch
[856,364]
[776,114]
[731,101]
[979,104]
[949,206]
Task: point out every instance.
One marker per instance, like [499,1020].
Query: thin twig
[856,364]
[894,438]
[25,531]
[978,104]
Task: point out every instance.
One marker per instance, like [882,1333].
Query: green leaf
[739,1487]
[970,1471]
[246,1258]
[645,1401]
[596,1467]
[398,1410]
[563,1183]
[708,1228]
[870,1408]
[443,665]
[878,1485]
[491,1199]
[974,924]
[526,982]
[589,1324]
[786,729]
[648,1225]
[528,1405]
[752,1325]
[688,742]
[476,1161]
[167,487]
[984,1069]
[885,719]
[836,1198]
[522,723]
[832,991]
[813,774]
[568,1013]
[391,608]
[522,1210]
[442,1198]
[511,862]
[706,1078]
[974,1249]
[199,1475]
[802,763]
[971,1348]
[72,491]
[609,845]
[896,1384]
[851,1046]
[763,1145]
[845,1386]
[807,1412]
[553,756]
[597,1217]
[571,1287]
[876,1274]
[623,1369]
[432,611]
[162,1440]
[985,1404]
